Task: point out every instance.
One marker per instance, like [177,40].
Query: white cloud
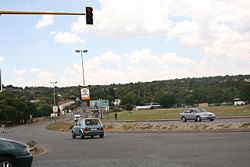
[52,33]
[68,38]
[218,29]
[172,58]
[139,65]
[45,21]
[127,18]
[144,56]
[19,72]
[34,70]
[243,24]
[1,59]
[32,77]
[229,53]
[45,76]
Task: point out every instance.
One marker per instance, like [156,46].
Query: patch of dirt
[38,151]
[182,127]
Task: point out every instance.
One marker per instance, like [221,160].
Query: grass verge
[245,125]
[173,113]
[146,127]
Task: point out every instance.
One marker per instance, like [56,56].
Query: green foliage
[245,91]
[167,100]
[31,143]
[43,109]
[17,109]
[129,107]
[14,108]
[15,103]
[245,125]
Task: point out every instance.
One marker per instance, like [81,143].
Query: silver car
[197,114]
[88,127]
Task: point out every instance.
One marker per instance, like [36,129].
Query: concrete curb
[43,151]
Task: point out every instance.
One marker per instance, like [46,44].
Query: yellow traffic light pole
[2,12]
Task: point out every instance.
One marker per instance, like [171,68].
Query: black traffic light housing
[89,15]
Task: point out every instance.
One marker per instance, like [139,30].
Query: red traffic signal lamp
[89,15]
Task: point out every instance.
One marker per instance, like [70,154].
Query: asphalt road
[141,149]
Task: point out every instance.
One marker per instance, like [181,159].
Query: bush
[31,143]
[129,107]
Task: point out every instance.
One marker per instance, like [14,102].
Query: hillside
[167,92]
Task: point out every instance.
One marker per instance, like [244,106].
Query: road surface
[142,149]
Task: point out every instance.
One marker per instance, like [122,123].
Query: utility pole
[54,85]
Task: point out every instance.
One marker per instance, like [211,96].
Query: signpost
[84,93]
[55,109]
[85,97]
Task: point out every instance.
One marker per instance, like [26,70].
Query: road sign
[85,93]
[55,109]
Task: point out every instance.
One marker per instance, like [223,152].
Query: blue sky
[130,41]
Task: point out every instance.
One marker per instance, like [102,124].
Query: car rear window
[90,122]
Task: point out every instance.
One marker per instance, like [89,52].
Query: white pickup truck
[238,102]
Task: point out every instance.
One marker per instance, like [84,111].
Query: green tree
[189,99]
[245,92]
[167,100]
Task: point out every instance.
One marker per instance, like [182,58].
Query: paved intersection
[141,149]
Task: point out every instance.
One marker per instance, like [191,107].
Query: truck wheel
[183,119]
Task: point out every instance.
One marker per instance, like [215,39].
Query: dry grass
[61,126]
[173,113]
[245,125]
[134,127]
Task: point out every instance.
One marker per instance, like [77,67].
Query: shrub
[129,107]
[31,143]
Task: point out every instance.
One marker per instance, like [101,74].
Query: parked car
[88,127]
[14,154]
[197,114]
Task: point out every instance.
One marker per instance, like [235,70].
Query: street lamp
[82,51]
[54,83]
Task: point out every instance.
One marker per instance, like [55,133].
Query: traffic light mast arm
[38,13]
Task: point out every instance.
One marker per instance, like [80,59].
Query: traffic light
[89,15]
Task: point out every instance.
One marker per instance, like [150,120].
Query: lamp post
[83,79]
[82,51]
[54,83]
